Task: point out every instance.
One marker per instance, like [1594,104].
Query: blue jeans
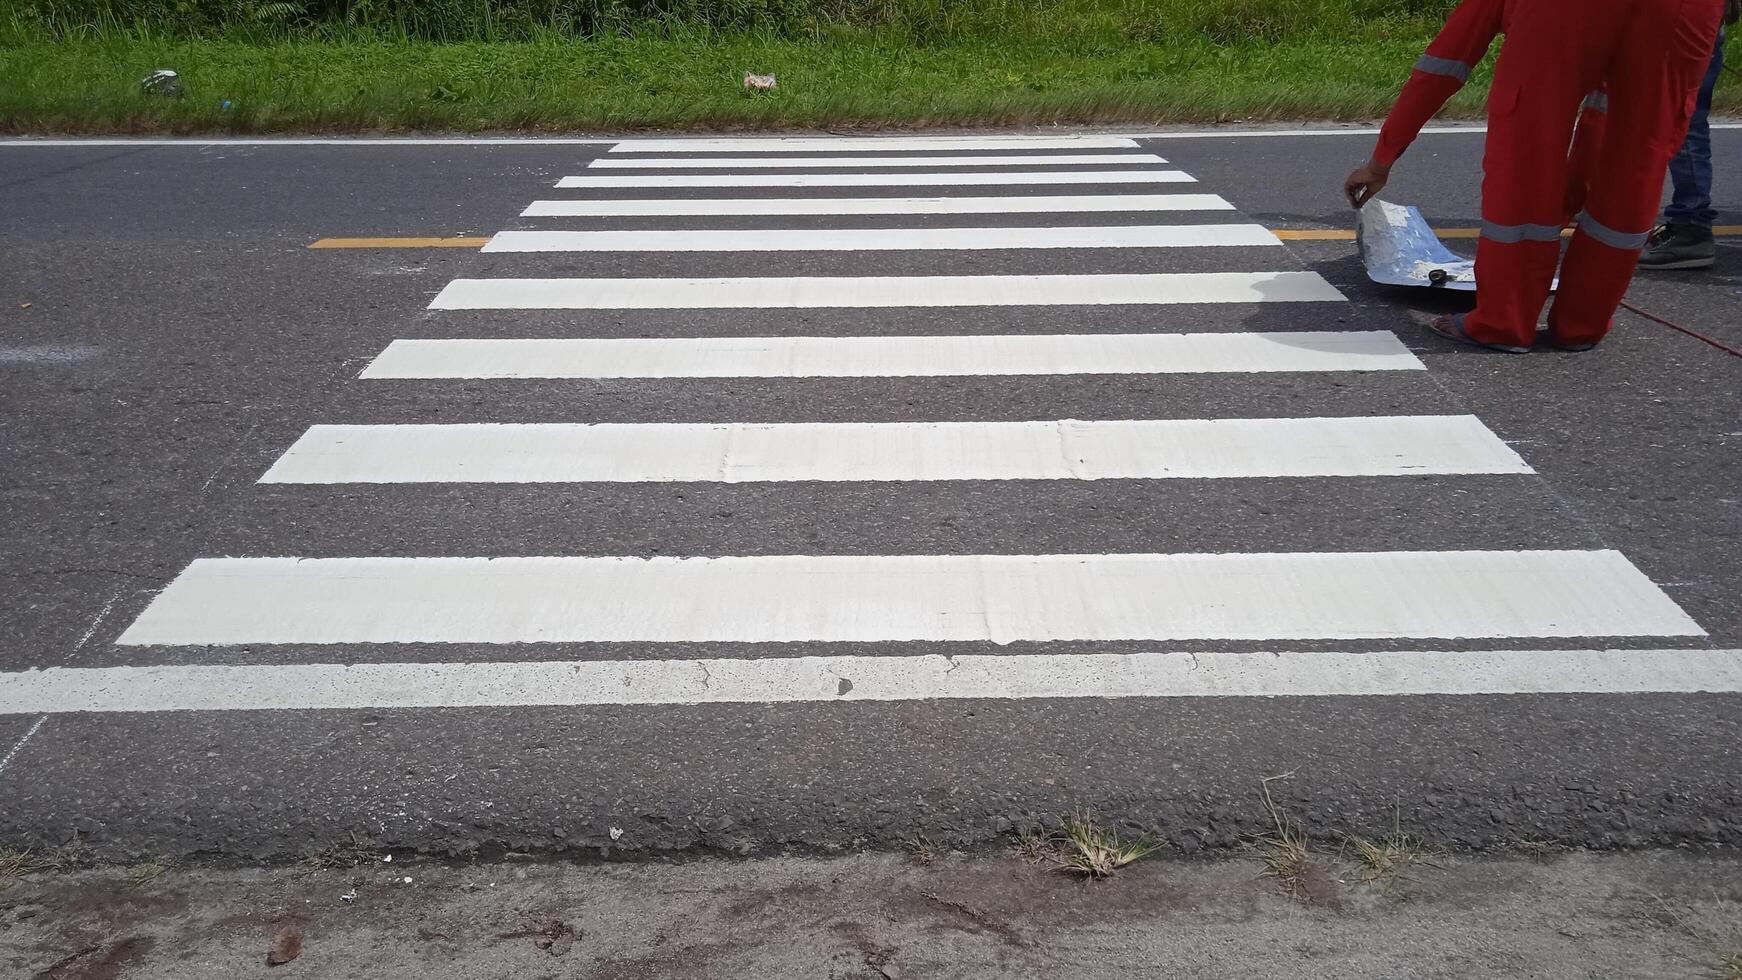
[1691,170]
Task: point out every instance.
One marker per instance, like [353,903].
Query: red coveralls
[1649,55]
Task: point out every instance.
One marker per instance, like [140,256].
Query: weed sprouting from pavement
[1089,849]
[924,851]
[339,856]
[147,871]
[1035,849]
[1541,848]
[14,864]
[1388,859]
[1287,857]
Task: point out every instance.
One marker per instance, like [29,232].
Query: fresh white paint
[883,357]
[782,680]
[738,452]
[812,144]
[852,598]
[721,206]
[883,291]
[882,239]
[958,179]
[849,163]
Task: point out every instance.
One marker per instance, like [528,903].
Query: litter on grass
[162,82]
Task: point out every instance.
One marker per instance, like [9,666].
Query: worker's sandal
[1451,327]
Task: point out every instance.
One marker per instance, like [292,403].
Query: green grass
[653,82]
[374,81]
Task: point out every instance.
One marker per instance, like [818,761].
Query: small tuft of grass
[147,871]
[1289,859]
[1094,851]
[1286,857]
[923,849]
[1541,848]
[1035,849]
[1389,859]
[340,856]
[14,864]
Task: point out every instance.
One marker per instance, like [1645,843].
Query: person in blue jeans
[1684,240]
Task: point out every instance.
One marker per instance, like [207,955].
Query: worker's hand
[1366,182]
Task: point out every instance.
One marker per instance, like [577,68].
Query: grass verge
[309,85]
[337,81]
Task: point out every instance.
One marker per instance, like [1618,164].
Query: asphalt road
[165,335]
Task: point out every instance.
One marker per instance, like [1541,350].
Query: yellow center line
[461,242]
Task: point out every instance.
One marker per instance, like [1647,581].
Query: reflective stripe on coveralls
[1609,236]
[1511,234]
[1444,66]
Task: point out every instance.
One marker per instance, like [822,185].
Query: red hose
[1676,326]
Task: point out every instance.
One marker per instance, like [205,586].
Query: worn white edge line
[910,162]
[667,452]
[196,141]
[899,356]
[857,678]
[1040,204]
[884,291]
[883,239]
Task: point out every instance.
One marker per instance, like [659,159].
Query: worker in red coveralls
[1642,61]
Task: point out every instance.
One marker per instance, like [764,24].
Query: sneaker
[1673,246]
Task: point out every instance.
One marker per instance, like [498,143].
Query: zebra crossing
[1369,599]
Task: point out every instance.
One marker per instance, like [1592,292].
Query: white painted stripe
[811,144]
[997,598]
[883,291]
[715,206]
[784,680]
[958,179]
[810,163]
[882,239]
[1206,449]
[885,357]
